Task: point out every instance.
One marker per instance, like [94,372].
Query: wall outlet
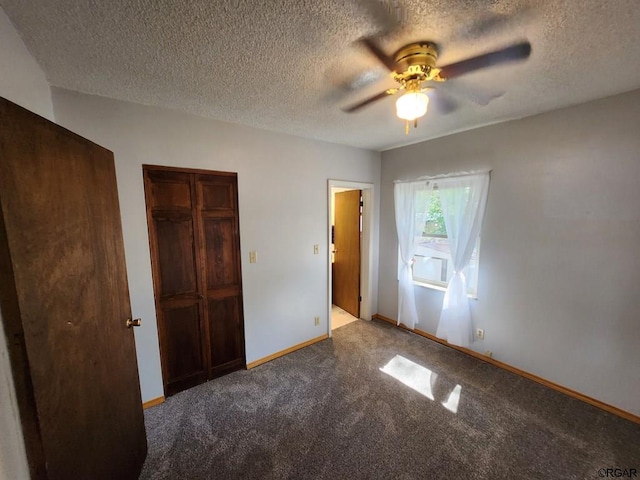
[316,249]
[480,333]
[253,256]
[489,353]
[316,320]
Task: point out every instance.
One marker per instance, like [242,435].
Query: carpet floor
[377,402]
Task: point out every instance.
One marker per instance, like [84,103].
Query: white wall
[283,212]
[560,264]
[23,82]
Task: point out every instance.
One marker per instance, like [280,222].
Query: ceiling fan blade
[364,79]
[442,103]
[473,93]
[519,51]
[366,102]
[484,25]
[482,98]
[374,48]
[494,23]
[387,15]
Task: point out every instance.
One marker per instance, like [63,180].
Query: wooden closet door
[177,279]
[195,246]
[218,214]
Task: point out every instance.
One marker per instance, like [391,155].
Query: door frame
[366,245]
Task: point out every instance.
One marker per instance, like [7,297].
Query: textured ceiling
[290,65]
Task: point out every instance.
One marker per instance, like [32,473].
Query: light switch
[316,249]
[253,256]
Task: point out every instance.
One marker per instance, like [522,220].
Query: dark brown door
[65,302]
[195,245]
[172,220]
[346,267]
[218,214]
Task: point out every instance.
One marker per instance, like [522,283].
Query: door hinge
[359,299]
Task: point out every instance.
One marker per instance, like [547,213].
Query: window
[432,264]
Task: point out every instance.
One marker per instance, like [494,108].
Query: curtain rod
[445,175]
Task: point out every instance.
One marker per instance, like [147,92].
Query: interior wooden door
[346,266]
[195,245]
[65,302]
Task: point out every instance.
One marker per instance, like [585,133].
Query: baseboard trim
[547,383]
[153,402]
[281,353]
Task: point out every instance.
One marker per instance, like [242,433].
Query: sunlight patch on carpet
[454,399]
[411,374]
[420,379]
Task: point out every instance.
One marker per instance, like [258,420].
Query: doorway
[350,226]
[345,267]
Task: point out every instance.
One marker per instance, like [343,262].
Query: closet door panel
[184,352]
[171,192]
[217,194]
[220,246]
[176,255]
[226,335]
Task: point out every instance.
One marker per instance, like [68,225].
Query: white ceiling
[288,65]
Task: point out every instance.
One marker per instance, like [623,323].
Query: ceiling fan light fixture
[412,105]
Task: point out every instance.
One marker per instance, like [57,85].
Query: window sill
[472,296]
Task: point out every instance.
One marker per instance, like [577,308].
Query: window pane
[432,262]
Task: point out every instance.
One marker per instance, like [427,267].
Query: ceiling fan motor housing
[420,54]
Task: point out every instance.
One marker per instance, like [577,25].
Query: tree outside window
[432,264]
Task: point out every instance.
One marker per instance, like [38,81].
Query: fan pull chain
[406,126]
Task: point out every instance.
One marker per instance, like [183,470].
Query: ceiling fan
[414,65]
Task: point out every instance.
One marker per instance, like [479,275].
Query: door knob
[200,296]
[136,322]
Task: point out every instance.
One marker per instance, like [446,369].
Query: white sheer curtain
[405,205]
[463,201]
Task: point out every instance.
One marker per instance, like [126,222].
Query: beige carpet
[340,318]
